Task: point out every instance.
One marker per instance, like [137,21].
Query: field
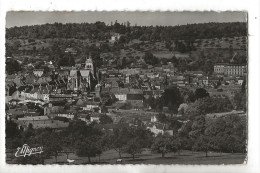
[146,157]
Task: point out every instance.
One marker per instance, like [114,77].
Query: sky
[139,18]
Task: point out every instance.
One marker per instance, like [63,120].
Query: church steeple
[89,64]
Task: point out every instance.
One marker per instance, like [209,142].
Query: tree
[104,119]
[46,69]
[198,127]
[172,98]
[89,147]
[189,97]
[154,103]
[175,125]
[174,60]
[202,144]
[240,101]
[206,105]
[226,134]
[133,147]
[49,140]
[12,66]
[150,59]
[11,130]
[201,93]
[161,118]
[137,139]
[182,108]
[86,139]
[66,61]
[180,46]
[164,144]
[67,144]
[108,98]
[119,140]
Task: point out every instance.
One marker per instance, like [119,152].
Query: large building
[230,69]
[219,68]
[79,79]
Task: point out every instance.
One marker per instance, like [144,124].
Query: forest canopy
[101,31]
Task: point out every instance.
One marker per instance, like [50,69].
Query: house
[204,80]
[120,94]
[212,80]
[112,82]
[43,80]
[34,94]
[38,72]
[123,94]
[169,67]
[95,117]
[153,93]
[136,122]
[154,119]
[230,69]
[114,37]
[158,69]
[71,51]
[152,75]
[240,81]
[196,73]
[132,71]
[219,68]
[84,117]
[64,73]
[55,109]
[92,106]
[70,114]
[87,105]
[229,80]
[159,128]
[44,93]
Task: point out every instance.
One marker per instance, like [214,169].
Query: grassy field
[146,157]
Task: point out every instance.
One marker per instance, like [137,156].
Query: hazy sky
[139,18]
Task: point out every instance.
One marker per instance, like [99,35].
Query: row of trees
[221,135]
[84,140]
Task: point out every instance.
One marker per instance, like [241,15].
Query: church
[79,79]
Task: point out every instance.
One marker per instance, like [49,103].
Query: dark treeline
[101,31]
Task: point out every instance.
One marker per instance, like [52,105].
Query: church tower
[89,64]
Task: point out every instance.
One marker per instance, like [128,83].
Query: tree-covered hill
[101,31]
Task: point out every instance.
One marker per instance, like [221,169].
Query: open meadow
[147,157]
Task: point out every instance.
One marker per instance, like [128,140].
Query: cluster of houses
[52,99]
